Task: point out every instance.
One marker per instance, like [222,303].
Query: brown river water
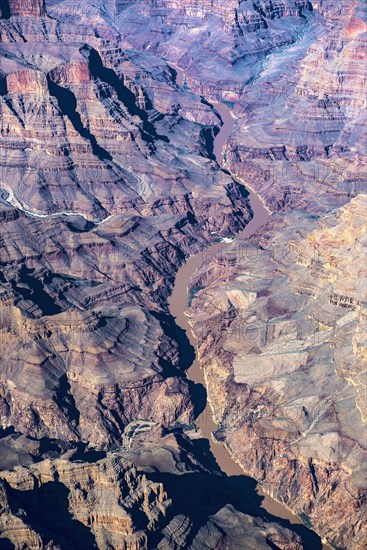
[178,304]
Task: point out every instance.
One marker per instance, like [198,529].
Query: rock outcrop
[295,75]
[35,8]
[79,505]
[299,135]
[113,502]
[280,324]
[108,183]
[107,186]
[295,82]
[227,39]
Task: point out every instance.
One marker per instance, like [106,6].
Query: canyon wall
[280,323]
[279,320]
[108,184]
[107,187]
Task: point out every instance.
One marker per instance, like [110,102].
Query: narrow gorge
[181,297]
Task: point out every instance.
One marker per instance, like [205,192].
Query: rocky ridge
[91,239]
[298,141]
[280,324]
[111,502]
[296,82]
[88,134]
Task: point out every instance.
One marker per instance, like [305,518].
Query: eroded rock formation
[35,8]
[107,187]
[111,503]
[108,183]
[281,330]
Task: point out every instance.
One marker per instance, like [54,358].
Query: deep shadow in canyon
[68,106]
[126,96]
[47,509]
[186,357]
[200,495]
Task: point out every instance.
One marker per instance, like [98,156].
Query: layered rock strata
[298,98]
[35,8]
[294,73]
[108,182]
[113,503]
[107,185]
[280,324]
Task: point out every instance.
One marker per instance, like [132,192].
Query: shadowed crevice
[66,402]
[5,9]
[32,288]
[126,96]
[5,544]
[200,495]
[47,510]
[208,135]
[67,103]
[9,103]
[186,357]
[3,86]
[186,352]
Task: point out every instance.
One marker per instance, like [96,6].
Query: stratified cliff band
[108,184]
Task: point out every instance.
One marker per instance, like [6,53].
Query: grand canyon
[183,290]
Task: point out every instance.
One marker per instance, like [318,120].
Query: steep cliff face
[294,72]
[299,136]
[81,505]
[295,81]
[227,39]
[280,328]
[107,187]
[116,503]
[85,338]
[35,8]
[95,127]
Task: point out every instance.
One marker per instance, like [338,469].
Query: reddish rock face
[356,27]
[27,81]
[23,7]
[72,73]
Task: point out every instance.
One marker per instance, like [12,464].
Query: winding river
[178,303]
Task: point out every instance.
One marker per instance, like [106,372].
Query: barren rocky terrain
[104,196]
[280,324]
[109,182]
[116,501]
